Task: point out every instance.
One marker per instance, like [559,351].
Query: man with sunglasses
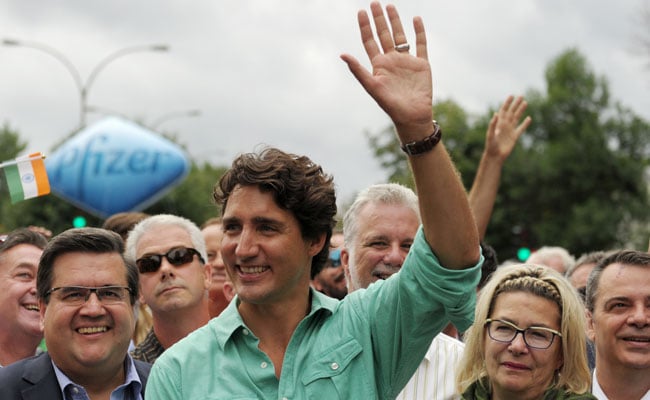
[330,280]
[86,292]
[281,339]
[170,254]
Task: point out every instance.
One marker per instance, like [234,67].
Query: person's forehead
[250,203]
[20,251]
[162,239]
[213,231]
[624,279]
[511,303]
[21,256]
[76,268]
[581,273]
[388,218]
[336,240]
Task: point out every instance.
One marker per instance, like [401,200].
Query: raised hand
[399,82]
[505,129]
[502,134]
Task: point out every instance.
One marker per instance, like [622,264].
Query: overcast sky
[266,71]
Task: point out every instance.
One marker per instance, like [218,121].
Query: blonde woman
[527,340]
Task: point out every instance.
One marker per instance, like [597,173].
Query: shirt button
[75,390]
[284,398]
[264,364]
[245,332]
[334,366]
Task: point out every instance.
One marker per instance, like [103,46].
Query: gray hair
[545,253]
[586,258]
[156,221]
[385,193]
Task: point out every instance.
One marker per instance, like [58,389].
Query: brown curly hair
[298,185]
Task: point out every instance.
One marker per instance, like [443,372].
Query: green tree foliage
[576,179]
[10,143]
[386,146]
[49,211]
[10,147]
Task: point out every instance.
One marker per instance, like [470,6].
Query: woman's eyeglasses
[536,337]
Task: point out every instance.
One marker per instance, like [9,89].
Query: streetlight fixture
[83,87]
[173,115]
[156,122]
[106,111]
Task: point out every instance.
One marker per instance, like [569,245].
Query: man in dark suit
[86,293]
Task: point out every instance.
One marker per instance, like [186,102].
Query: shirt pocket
[227,397]
[335,374]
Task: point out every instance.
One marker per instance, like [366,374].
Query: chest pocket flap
[332,361]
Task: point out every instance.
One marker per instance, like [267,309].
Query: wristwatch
[424,145]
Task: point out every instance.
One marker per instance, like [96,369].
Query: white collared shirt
[435,378]
[597,391]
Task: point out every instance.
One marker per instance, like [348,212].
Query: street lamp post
[84,87]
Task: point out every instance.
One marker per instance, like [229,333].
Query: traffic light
[79,221]
[523,253]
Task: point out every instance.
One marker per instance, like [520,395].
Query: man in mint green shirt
[279,338]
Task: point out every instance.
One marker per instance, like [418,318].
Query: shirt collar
[230,321]
[131,378]
[597,391]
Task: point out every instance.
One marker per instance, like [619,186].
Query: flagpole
[20,159]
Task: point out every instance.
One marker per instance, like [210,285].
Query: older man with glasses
[86,292]
[174,278]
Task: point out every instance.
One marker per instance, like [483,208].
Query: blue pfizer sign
[114,166]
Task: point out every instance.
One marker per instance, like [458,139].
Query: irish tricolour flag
[26,177]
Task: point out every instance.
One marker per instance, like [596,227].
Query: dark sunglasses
[177,256]
[334,258]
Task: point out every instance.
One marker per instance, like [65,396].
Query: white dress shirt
[597,391]
[435,378]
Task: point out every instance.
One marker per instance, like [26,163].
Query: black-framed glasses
[177,257]
[78,295]
[536,337]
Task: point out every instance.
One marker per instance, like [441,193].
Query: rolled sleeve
[454,289]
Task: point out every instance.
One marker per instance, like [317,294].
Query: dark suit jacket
[34,379]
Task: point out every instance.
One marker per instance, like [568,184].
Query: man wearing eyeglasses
[330,280]
[86,294]
[174,279]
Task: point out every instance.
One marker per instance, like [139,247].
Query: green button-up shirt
[364,347]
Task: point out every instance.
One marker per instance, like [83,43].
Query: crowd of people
[270,301]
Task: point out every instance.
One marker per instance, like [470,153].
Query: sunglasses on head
[177,256]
